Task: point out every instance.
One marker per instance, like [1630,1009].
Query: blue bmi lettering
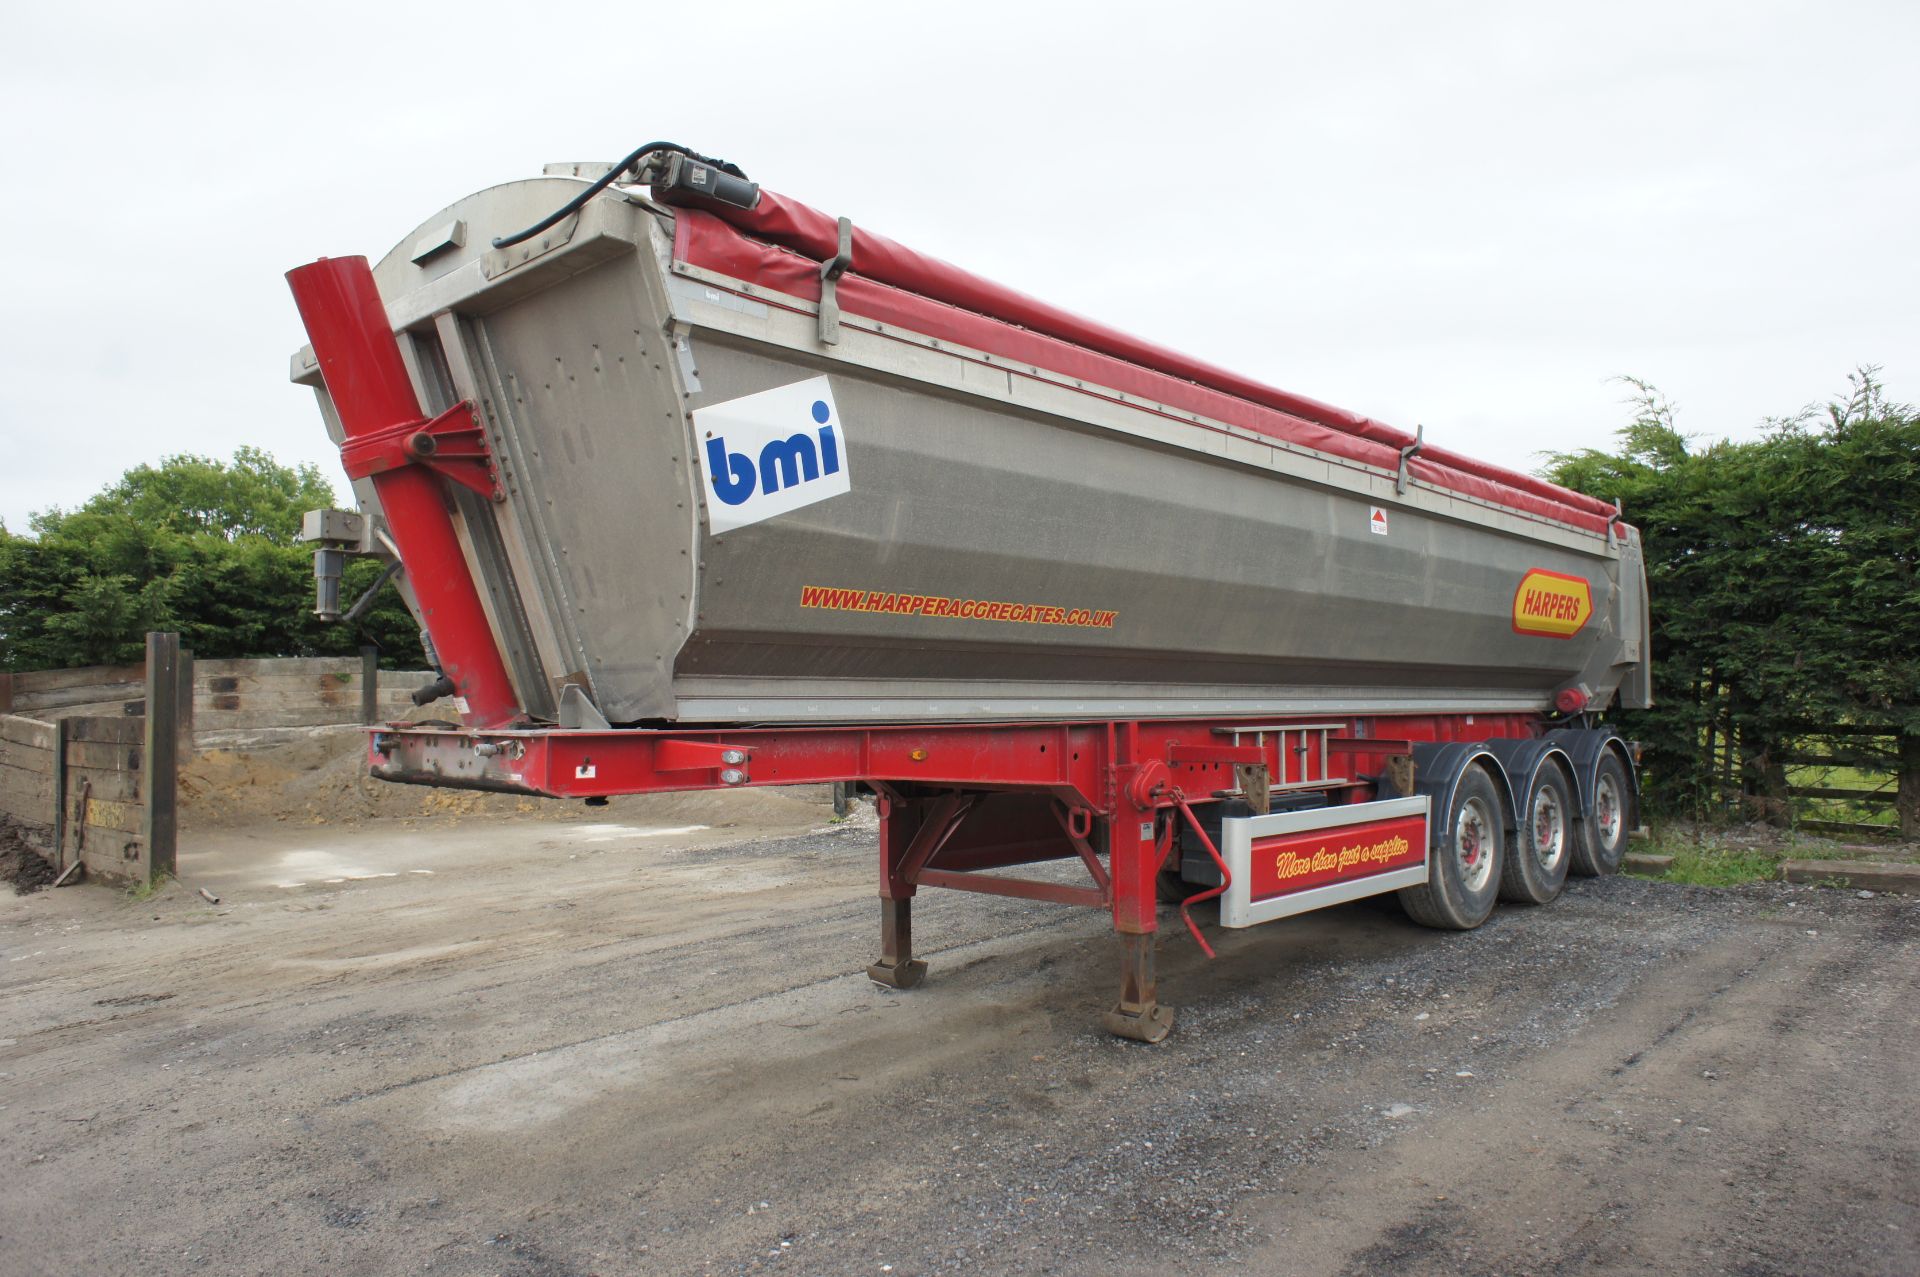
[730,473]
[784,463]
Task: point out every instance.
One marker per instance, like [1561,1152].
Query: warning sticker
[1377,522]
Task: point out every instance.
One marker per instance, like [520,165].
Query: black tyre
[1465,873]
[1545,833]
[1603,826]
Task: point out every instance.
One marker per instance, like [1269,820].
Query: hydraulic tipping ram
[391,441]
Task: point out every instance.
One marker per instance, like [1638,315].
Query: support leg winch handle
[1226,875]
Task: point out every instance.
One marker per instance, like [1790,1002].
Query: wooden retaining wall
[99,790]
[237,695]
[93,689]
[298,692]
[104,810]
[29,788]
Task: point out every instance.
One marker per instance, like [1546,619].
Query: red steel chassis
[956,801]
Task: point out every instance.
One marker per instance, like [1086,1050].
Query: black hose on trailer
[631,163]
[387,574]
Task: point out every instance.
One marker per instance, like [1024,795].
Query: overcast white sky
[1464,215]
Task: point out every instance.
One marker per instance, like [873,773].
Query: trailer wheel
[1543,849]
[1465,873]
[1603,830]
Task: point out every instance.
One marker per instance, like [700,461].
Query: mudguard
[1437,768]
[1585,747]
[1522,760]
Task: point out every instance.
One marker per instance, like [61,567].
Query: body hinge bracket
[1407,454]
[578,712]
[452,443]
[830,273]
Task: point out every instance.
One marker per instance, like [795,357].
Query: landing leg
[1139,1015]
[897,968]
[1135,854]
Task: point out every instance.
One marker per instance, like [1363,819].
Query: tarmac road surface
[619,1048]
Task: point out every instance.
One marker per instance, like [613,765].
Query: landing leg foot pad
[1150,1023]
[898,975]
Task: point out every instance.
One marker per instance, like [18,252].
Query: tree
[193,544]
[1785,579]
[253,495]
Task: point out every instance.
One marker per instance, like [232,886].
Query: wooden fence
[89,758]
[1828,778]
[99,791]
[1879,773]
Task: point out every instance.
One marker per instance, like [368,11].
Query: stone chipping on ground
[661,1058]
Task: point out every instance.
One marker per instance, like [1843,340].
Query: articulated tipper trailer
[694,487]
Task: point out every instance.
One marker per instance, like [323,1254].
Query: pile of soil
[20,864]
[319,776]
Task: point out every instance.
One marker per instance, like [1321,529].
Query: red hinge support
[695,755]
[452,444]
[359,359]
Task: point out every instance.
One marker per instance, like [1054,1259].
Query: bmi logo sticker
[771,453]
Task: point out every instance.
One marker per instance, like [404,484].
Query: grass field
[1849,810]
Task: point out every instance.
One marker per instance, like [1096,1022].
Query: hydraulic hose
[612,175]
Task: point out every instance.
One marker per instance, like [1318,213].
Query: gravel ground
[609,1049]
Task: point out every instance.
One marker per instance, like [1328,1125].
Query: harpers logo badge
[1551,604]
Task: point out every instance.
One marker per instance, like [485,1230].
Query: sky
[1473,217]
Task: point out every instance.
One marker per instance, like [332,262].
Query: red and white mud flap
[1293,861]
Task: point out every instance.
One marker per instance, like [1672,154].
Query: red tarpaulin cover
[779,245]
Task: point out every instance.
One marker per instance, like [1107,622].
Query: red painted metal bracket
[945,818]
[1058,893]
[934,833]
[1077,822]
[452,444]
[1207,752]
[696,755]
[1369,747]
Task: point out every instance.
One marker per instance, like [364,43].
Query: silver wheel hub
[1473,845]
[1547,827]
[1607,810]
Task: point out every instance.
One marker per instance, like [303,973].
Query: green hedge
[196,545]
[1785,578]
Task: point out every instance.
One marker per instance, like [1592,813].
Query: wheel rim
[1473,834]
[1547,827]
[1607,811]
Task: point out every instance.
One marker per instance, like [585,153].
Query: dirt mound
[320,777]
[20,864]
